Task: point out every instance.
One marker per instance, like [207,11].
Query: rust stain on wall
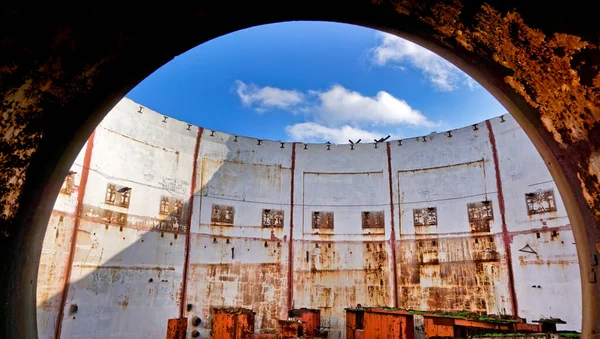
[79,209]
[372,219]
[540,202]
[449,274]
[257,287]
[322,219]
[338,275]
[222,215]
[480,215]
[189,226]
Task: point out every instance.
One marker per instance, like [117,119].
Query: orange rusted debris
[264,336]
[310,318]
[287,329]
[176,328]
[438,327]
[233,323]
[379,323]
[528,327]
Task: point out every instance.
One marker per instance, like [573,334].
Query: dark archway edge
[62,69]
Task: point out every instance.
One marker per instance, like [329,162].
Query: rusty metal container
[287,329]
[354,321]
[310,318]
[176,328]
[233,323]
[437,327]
[378,323]
[264,336]
[384,323]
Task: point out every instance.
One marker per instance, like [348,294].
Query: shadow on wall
[127,276]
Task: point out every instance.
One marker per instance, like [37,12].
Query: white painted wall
[247,265]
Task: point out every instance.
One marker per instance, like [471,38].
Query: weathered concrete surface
[455,248]
[539,60]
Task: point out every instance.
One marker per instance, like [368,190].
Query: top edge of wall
[209,132]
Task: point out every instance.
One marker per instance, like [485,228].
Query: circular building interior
[163,226]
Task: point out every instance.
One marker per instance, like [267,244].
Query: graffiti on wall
[174,185]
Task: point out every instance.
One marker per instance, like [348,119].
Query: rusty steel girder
[60,73]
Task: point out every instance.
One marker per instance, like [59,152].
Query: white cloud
[267,97]
[340,105]
[443,75]
[313,132]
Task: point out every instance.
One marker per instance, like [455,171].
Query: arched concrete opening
[58,83]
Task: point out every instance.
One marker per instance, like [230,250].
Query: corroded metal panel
[338,275]
[233,323]
[425,216]
[480,214]
[68,187]
[272,218]
[451,274]
[255,278]
[540,202]
[322,219]
[222,214]
[117,195]
[372,219]
[176,328]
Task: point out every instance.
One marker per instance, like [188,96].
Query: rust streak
[290,287]
[468,163]
[85,171]
[190,211]
[136,140]
[126,268]
[393,228]
[505,234]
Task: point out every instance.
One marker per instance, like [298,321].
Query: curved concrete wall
[174,220]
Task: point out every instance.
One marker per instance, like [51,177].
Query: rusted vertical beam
[393,228]
[85,171]
[189,228]
[506,239]
[290,279]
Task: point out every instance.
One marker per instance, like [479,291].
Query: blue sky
[315,82]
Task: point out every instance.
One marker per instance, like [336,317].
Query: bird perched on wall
[382,139]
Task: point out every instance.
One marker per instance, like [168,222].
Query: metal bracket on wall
[527,249]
